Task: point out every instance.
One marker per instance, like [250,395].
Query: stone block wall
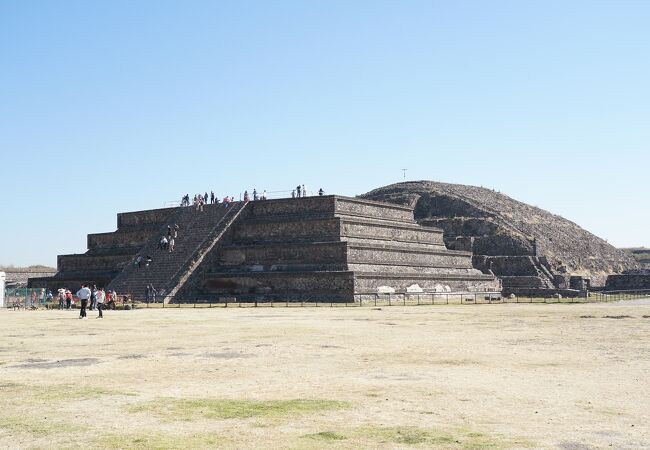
[373,210]
[290,230]
[508,265]
[130,237]
[283,257]
[308,247]
[398,256]
[351,228]
[627,282]
[108,253]
[319,248]
[264,286]
[148,217]
[84,262]
[304,207]
[510,282]
[370,282]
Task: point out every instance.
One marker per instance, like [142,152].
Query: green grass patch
[325,436]
[36,427]
[405,435]
[56,392]
[461,439]
[193,409]
[158,441]
[72,392]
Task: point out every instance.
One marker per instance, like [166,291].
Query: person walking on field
[68,299]
[83,294]
[61,292]
[93,298]
[100,302]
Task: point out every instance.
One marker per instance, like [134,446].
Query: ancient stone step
[194,228]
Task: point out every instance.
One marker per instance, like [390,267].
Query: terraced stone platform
[331,248]
[316,248]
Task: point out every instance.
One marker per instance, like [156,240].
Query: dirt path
[487,376]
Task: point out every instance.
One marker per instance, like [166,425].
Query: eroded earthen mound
[508,237]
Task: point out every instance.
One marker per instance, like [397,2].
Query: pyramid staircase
[199,232]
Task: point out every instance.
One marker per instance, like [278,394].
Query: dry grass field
[460,377]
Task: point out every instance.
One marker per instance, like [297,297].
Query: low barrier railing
[130,301]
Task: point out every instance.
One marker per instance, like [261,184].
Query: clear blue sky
[122,105]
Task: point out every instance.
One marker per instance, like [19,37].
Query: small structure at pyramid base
[328,248]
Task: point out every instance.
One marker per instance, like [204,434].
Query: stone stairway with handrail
[213,239]
[196,229]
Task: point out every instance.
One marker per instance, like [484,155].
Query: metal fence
[33,298]
[615,296]
[403,299]
[25,297]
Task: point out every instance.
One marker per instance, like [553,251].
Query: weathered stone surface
[628,282]
[108,253]
[19,279]
[129,237]
[494,225]
[147,217]
[286,256]
[318,248]
[308,286]
[290,249]
[82,262]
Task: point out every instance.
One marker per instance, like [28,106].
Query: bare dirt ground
[571,377]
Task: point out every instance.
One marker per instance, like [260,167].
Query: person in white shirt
[101,296]
[83,295]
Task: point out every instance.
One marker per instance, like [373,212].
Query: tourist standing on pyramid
[298,190]
[255,195]
[304,191]
[83,295]
[245,196]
